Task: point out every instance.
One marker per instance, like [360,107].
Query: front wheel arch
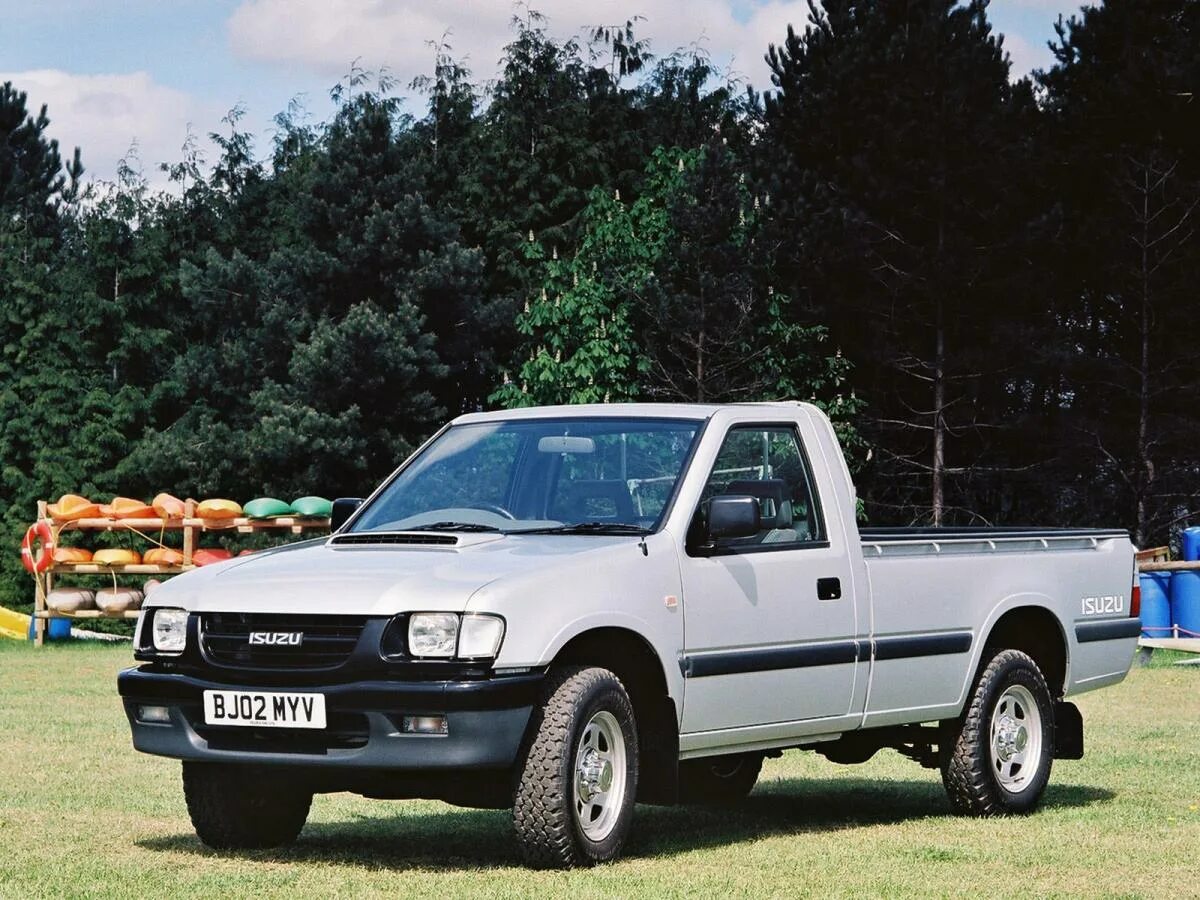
[633,660]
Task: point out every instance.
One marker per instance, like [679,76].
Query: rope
[41,594]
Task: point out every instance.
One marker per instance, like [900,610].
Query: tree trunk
[938,501]
[1145,465]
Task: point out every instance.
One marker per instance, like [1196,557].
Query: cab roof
[623,410]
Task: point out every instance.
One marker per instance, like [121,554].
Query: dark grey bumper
[486,722]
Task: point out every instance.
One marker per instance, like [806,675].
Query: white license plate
[264,710]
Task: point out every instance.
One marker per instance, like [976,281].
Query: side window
[766,462]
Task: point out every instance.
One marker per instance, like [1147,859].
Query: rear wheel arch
[1037,632]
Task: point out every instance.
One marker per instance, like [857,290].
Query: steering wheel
[492,508]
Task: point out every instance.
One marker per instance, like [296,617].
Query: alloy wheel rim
[1016,738]
[600,773]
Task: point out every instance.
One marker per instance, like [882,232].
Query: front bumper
[486,722]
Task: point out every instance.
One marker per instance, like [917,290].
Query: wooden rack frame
[190,525]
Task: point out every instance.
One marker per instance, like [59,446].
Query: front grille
[326,642]
[425,539]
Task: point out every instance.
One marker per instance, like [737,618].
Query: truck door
[769,620]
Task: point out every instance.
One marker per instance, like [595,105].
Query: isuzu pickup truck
[566,610]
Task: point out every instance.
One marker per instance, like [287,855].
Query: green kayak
[312,507]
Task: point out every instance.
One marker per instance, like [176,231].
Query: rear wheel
[997,757]
[719,780]
[578,778]
[244,807]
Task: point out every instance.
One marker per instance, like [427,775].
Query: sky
[122,73]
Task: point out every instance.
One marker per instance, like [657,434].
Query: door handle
[829,589]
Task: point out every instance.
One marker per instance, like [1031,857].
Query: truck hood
[374,579]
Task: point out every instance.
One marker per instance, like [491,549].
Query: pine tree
[57,422]
[1127,153]
[892,141]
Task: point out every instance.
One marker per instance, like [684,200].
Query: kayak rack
[147,529]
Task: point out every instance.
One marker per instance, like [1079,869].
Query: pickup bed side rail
[888,534]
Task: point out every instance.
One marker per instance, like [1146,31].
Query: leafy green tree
[579,328]
[669,297]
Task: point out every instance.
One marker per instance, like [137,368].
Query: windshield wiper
[453,526]
[586,528]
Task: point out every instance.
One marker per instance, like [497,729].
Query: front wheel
[574,798]
[236,807]
[998,756]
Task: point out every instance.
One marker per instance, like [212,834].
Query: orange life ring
[36,564]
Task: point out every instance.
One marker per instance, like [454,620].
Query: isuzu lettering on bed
[564,610]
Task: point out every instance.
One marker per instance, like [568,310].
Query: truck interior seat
[593,500]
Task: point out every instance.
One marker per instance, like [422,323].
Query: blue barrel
[1156,604]
[57,629]
[1191,543]
[1185,603]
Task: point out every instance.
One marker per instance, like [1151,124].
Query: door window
[767,463]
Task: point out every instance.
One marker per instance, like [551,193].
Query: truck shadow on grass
[453,839]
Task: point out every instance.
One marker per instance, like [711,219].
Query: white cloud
[1026,56]
[104,114]
[1066,7]
[323,36]
[768,25]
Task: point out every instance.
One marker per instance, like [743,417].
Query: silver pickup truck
[566,610]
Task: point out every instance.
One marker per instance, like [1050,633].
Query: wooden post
[189,532]
[39,598]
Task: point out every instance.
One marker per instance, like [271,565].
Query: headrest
[592,489]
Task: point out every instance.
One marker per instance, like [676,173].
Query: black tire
[546,801]
[973,771]
[236,807]
[719,780]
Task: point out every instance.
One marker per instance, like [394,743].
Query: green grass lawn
[82,814]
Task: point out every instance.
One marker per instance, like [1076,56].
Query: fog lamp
[424,725]
[154,715]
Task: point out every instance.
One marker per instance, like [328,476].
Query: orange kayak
[168,507]
[71,507]
[127,508]
[163,556]
[72,555]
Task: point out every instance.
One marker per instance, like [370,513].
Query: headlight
[447,636]
[168,630]
[433,634]
[480,637]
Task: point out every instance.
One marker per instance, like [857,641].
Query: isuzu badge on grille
[277,638]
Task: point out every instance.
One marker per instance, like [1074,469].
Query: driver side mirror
[343,509]
[733,516]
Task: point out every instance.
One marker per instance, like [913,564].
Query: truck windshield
[572,475]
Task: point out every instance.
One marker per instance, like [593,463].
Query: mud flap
[1068,731]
